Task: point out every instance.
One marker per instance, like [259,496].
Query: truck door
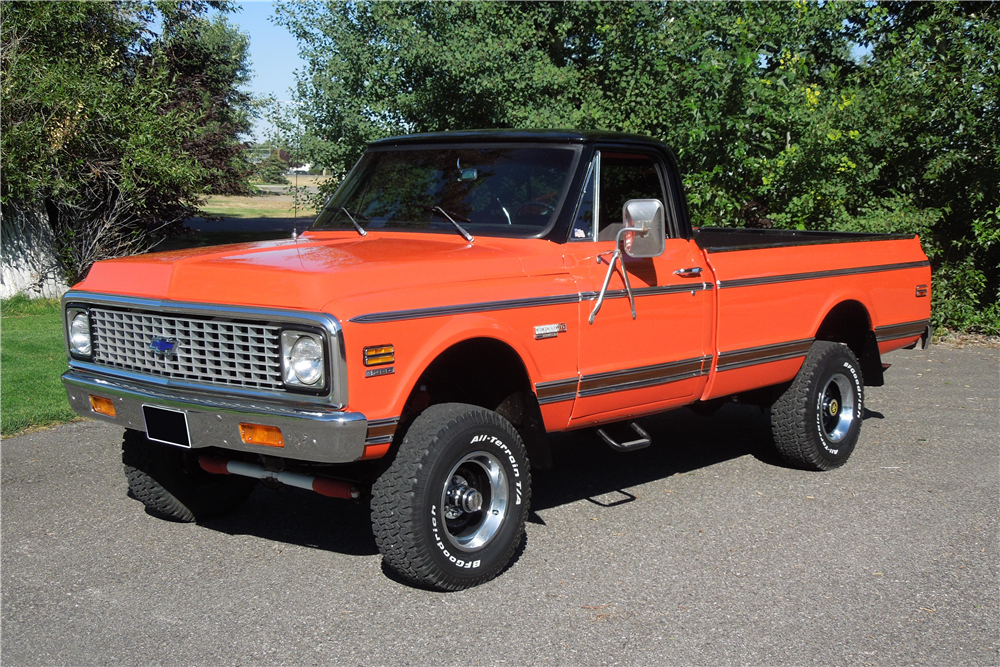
[662,357]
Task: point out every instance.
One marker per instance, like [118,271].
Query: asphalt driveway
[701,550]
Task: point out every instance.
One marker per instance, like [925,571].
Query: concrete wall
[28,263]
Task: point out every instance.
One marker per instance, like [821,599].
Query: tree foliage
[776,116]
[271,170]
[115,131]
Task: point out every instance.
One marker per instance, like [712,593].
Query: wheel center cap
[472,500]
[834,407]
[464,498]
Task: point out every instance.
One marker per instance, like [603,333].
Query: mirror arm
[607,280]
[616,258]
[628,287]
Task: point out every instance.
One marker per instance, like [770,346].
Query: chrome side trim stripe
[901,330]
[643,376]
[649,291]
[764,354]
[556,391]
[511,304]
[814,275]
[485,306]
[381,431]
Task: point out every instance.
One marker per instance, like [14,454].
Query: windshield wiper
[437,209]
[504,209]
[358,227]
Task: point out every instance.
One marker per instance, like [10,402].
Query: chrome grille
[224,353]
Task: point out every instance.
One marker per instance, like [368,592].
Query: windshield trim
[554,219]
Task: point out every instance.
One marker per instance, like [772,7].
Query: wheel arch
[850,322]
[457,373]
[483,370]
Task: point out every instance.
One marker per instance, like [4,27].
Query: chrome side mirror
[644,228]
[643,235]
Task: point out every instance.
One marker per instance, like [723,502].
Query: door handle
[693,272]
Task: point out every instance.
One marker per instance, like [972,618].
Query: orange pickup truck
[460,296]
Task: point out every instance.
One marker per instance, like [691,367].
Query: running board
[644,440]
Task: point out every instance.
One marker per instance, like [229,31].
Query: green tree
[271,170]
[111,132]
[775,119]
[933,93]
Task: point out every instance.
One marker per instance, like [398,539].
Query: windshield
[503,190]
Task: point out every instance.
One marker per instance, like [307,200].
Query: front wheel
[817,420]
[449,512]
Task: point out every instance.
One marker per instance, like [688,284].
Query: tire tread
[395,520]
[151,473]
[791,415]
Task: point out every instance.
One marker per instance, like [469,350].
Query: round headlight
[307,360]
[79,334]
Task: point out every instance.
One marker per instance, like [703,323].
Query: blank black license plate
[169,426]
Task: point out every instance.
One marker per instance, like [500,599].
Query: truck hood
[312,271]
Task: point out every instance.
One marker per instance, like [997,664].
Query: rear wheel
[817,420]
[449,512]
[170,482]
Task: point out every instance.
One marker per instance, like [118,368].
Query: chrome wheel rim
[474,500]
[836,407]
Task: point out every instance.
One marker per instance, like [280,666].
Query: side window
[624,176]
[583,225]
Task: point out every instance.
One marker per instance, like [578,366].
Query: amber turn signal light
[259,434]
[378,355]
[102,406]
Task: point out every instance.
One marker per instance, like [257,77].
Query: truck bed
[775,288]
[724,239]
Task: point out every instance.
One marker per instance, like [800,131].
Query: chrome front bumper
[315,433]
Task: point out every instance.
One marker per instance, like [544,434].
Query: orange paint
[744,320]
[357,279]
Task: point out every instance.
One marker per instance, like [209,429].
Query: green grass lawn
[32,357]
[260,206]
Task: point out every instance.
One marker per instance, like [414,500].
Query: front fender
[418,343]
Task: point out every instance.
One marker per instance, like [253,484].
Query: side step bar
[644,440]
[321,485]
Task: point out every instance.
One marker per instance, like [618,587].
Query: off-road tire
[806,433]
[410,500]
[170,483]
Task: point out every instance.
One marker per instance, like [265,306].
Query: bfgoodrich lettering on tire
[449,512]
[816,421]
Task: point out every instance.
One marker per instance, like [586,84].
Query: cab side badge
[549,330]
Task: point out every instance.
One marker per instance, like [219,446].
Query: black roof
[553,136]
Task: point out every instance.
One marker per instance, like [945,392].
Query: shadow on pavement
[585,469]
[303,518]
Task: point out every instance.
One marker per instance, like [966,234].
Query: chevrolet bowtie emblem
[163,347]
